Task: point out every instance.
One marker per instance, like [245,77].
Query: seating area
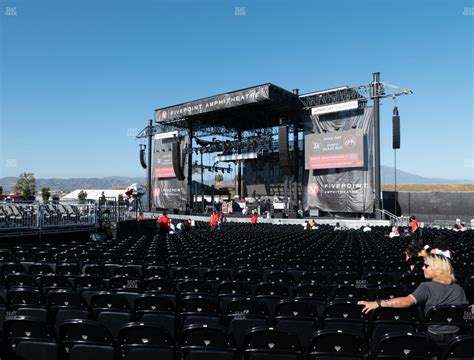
[16,215]
[243,292]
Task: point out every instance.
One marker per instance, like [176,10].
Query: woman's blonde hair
[441,267]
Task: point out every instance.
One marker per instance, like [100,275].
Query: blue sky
[77,77]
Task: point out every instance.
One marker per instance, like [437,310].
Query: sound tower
[396,129]
[284,153]
[176,155]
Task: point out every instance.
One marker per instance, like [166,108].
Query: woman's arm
[399,302]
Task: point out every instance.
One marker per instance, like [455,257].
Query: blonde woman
[441,290]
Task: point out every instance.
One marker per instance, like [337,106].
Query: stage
[351,223]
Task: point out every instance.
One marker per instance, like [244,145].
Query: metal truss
[362,93]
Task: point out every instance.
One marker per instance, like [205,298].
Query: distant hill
[404,177]
[67,185]
[111,182]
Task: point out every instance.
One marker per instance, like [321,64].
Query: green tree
[82,195]
[45,194]
[26,185]
[219,178]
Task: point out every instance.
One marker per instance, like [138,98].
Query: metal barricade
[19,216]
[68,214]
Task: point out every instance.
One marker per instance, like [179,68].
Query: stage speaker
[142,158]
[396,129]
[176,155]
[285,161]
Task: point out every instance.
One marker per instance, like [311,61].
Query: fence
[18,217]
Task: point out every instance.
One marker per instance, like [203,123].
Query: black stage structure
[262,131]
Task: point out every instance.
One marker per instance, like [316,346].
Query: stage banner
[335,150]
[339,162]
[168,191]
[213,103]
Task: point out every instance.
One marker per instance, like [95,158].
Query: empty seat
[112,311]
[229,290]
[31,339]
[199,342]
[347,315]
[86,339]
[143,341]
[271,343]
[298,317]
[272,294]
[405,345]
[199,310]
[242,315]
[40,269]
[386,320]
[54,282]
[460,348]
[27,302]
[156,310]
[337,344]
[67,305]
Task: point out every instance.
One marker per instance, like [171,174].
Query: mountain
[67,185]
[404,177]
[110,182]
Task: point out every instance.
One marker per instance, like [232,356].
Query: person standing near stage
[164,224]
[253,220]
[214,220]
[414,224]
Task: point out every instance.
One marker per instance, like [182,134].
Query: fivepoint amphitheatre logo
[313,189]
[164,115]
[156,192]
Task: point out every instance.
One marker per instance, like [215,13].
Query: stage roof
[260,106]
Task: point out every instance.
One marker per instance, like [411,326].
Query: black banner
[344,189]
[168,192]
[213,103]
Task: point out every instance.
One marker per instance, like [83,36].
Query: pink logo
[313,189]
[164,115]
[157,192]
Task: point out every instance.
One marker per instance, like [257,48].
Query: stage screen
[334,150]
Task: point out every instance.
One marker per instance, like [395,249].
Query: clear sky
[80,77]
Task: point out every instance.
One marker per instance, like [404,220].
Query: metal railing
[394,219]
[68,214]
[19,216]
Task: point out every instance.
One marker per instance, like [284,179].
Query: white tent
[93,194]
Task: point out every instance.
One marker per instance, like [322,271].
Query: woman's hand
[368,306]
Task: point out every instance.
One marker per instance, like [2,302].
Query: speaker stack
[396,129]
[285,161]
[176,155]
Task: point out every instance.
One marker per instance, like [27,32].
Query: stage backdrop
[168,191]
[339,162]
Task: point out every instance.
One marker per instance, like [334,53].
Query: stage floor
[351,223]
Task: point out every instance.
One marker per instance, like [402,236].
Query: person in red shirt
[414,224]
[164,223]
[214,220]
[253,220]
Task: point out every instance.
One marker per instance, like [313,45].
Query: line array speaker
[284,153]
[396,129]
[176,155]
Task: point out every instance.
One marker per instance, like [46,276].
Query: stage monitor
[333,150]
